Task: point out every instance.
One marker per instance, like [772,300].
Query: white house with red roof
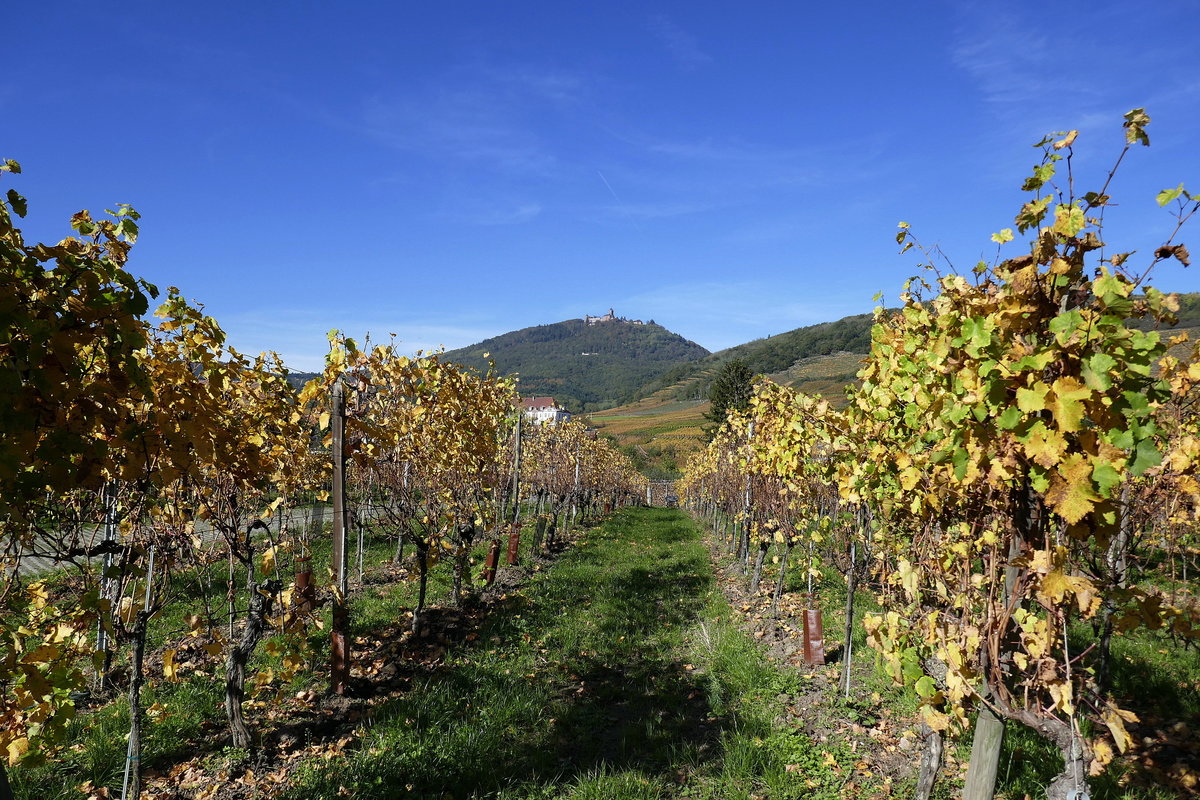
[541,410]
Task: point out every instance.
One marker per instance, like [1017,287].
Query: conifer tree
[730,389]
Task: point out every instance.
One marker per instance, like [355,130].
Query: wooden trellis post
[339,673]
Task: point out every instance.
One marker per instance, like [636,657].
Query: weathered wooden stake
[339,673]
[516,482]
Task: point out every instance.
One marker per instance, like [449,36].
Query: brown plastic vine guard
[514,546]
[814,637]
[339,676]
[305,596]
[489,566]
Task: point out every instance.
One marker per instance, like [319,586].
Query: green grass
[194,718]
[616,674]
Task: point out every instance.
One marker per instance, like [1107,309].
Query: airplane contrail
[609,185]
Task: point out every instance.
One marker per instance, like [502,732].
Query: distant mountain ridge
[585,364]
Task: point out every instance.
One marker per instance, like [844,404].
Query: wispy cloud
[486,114]
[556,85]
[509,216]
[1033,82]
[299,336]
[464,124]
[1003,56]
[659,210]
[720,314]
[1028,71]
[664,177]
[755,164]
[683,47]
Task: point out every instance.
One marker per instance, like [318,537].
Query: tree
[731,389]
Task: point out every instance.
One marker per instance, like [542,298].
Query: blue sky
[449,172]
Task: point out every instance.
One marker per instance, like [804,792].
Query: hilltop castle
[588,319]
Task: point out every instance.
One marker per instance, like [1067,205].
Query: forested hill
[1188,314]
[585,367]
[771,355]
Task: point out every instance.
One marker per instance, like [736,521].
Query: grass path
[614,674]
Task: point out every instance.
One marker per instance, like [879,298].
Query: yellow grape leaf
[1059,266]
[1003,236]
[1044,446]
[934,718]
[1067,405]
[1071,494]
[170,668]
[1054,587]
[39,594]
[16,749]
[213,648]
[1061,693]
[1068,219]
[1102,756]
[323,420]
[61,633]
[1114,719]
[1086,596]
[268,559]
[908,576]
[1041,561]
[1067,140]
[1033,399]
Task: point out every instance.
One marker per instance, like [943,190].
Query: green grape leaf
[1095,371]
[1033,399]
[1009,418]
[1144,457]
[1167,195]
